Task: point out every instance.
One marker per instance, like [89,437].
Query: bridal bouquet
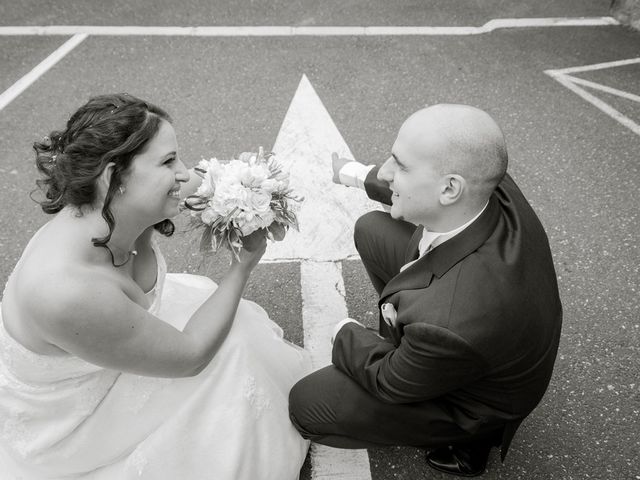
[240,196]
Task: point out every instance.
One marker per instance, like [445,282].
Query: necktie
[423,248]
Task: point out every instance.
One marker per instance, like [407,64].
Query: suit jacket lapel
[413,247]
[442,258]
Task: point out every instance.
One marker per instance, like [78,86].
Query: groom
[470,314]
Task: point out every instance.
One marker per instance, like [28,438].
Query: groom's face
[413,176]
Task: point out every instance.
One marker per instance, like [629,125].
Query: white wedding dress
[62,417]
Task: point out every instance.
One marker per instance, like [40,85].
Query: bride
[110,368]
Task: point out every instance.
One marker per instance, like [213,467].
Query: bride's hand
[253,248]
[277,231]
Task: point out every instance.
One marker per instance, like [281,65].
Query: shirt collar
[431,240]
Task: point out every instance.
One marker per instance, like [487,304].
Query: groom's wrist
[353,174]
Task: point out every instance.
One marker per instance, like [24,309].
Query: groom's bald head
[462,140]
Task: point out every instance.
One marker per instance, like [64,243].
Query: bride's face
[152,188]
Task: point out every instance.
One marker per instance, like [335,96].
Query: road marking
[603,88]
[289,260]
[549,22]
[596,66]
[304,144]
[80,32]
[21,85]
[281,31]
[303,147]
[323,297]
[572,83]
[322,307]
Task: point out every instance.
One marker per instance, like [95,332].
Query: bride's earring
[121,190]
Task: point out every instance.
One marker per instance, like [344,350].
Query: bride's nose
[182,174]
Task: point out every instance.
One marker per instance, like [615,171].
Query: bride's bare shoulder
[61,281]
[75,301]
[55,270]
[46,292]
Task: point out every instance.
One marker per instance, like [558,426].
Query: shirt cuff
[353,174]
[341,324]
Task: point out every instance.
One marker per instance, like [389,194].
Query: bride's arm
[100,324]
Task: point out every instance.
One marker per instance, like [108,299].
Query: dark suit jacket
[478,323]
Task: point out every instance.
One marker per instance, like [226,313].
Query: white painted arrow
[326,217]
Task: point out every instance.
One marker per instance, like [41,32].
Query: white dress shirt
[353,174]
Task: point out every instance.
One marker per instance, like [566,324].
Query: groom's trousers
[328,407]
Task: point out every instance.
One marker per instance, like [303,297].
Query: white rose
[243,198]
[207,188]
[208,216]
[254,175]
[259,201]
[245,216]
[283,182]
[267,219]
[269,185]
[229,196]
[236,170]
[215,169]
[246,226]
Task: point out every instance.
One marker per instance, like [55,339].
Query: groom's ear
[451,189]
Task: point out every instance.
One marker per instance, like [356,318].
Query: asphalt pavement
[578,165]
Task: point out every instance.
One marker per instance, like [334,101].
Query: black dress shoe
[462,460]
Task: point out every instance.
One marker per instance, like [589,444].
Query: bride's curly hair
[108,128]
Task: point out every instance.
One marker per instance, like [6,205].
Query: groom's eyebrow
[398,161]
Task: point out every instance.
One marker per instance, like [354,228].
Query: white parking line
[21,85]
[571,82]
[287,31]
[603,88]
[596,66]
[80,32]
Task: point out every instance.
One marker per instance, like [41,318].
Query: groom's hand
[337,163]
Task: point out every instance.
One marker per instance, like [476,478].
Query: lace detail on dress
[30,367]
[23,418]
[156,292]
[137,461]
[256,396]
[137,390]
[16,433]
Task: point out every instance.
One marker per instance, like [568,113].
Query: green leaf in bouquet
[234,241]
[206,240]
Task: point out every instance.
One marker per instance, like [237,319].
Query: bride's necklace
[130,254]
